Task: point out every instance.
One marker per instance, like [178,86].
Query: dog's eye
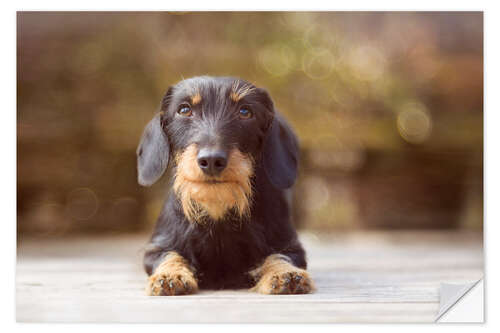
[185,110]
[245,113]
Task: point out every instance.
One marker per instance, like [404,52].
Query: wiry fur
[233,230]
[240,90]
[203,196]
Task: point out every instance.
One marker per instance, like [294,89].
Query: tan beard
[213,197]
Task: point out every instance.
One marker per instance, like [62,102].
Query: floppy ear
[281,153]
[153,152]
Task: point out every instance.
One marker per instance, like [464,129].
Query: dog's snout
[212,162]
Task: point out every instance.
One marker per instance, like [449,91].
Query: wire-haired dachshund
[226,222]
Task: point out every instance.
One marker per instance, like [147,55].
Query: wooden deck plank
[361,277]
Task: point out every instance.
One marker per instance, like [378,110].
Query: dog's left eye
[185,110]
[245,113]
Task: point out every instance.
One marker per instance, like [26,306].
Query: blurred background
[388,108]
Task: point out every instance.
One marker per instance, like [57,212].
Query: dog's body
[226,222]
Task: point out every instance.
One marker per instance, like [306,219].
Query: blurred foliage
[364,91]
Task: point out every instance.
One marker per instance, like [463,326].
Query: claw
[171,283]
[297,278]
[299,290]
[179,290]
[284,289]
[162,281]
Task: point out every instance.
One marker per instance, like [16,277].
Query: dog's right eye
[185,110]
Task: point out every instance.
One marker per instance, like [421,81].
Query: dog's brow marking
[196,99]
[238,92]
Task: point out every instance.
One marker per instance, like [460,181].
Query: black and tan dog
[226,222]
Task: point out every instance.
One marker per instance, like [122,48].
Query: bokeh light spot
[277,59]
[318,63]
[367,63]
[82,203]
[414,123]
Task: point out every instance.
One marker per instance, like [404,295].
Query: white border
[8,165]
[310,5]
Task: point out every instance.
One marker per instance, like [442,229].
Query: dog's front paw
[288,282]
[172,277]
[278,276]
[167,284]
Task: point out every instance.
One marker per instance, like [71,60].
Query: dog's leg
[277,275]
[173,276]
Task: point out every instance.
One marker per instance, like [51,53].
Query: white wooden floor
[361,277]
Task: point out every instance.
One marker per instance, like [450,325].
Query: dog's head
[216,131]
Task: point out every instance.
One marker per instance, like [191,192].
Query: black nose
[212,162]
